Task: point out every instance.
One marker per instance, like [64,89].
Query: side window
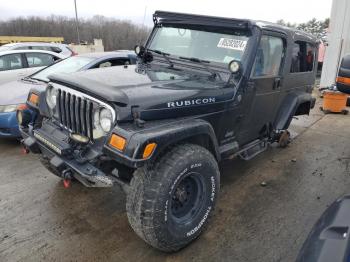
[133,59]
[303,57]
[114,62]
[269,56]
[105,64]
[39,59]
[22,48]
[10,62]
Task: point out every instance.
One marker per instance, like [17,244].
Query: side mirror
[235,67]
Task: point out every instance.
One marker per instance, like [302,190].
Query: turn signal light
[343,80]
[34,99]
[148,150]
[117,142]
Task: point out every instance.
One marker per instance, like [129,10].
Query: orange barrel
[334,101]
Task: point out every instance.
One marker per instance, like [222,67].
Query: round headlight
[106,119]
[51,97]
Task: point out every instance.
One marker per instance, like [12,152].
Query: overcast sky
[270,10]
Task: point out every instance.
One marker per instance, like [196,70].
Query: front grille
[75,112]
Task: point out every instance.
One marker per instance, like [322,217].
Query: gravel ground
[42,221]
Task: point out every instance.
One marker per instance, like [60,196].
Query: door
[12,68]
[37,61]
[264,86]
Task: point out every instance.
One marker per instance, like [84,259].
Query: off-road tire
[150,201]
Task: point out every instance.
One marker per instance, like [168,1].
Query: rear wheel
[169,202]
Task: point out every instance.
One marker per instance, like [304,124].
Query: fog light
[117,142]
[79,138]
[149,149]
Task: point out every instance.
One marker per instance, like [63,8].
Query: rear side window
[10,62]
[38,59]
[55,49]
[46,48]
[269,56]
[303,57]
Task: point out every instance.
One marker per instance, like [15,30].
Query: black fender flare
[289,108]
[42,108]
[164,135]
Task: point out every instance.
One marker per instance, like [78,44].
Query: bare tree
[116,34]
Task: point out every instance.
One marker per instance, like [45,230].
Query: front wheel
[169,202]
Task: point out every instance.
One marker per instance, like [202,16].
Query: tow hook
[24,149]
[67,177]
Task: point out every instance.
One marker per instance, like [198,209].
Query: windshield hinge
[155,19]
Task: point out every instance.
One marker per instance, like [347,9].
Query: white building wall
[97,46]
[339,41]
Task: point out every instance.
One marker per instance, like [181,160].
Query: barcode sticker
[234,44]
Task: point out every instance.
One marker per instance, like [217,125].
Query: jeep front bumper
[62,157]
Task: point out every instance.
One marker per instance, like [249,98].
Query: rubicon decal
[198,101]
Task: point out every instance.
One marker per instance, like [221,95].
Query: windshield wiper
[40,80]
[205,63]
[165,55]
[29,79]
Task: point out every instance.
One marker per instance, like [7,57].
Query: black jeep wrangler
[204,89]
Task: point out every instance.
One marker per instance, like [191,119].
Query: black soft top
[163,17]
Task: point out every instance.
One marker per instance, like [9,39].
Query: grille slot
[75,113]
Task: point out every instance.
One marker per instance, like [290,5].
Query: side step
[253,149]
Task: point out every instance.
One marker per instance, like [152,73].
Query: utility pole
[76,21]
[143,25]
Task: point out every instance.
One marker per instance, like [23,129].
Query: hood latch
[135,111]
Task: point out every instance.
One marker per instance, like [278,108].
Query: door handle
[277,84]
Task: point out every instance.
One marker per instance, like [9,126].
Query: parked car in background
[16,64]
[16,92]
[61,49]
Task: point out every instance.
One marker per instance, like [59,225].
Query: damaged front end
[70,138]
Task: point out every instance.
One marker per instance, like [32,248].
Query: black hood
[151,90]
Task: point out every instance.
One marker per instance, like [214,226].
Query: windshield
[211,46]
[69,65]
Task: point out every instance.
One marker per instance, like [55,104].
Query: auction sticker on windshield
[234,44]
